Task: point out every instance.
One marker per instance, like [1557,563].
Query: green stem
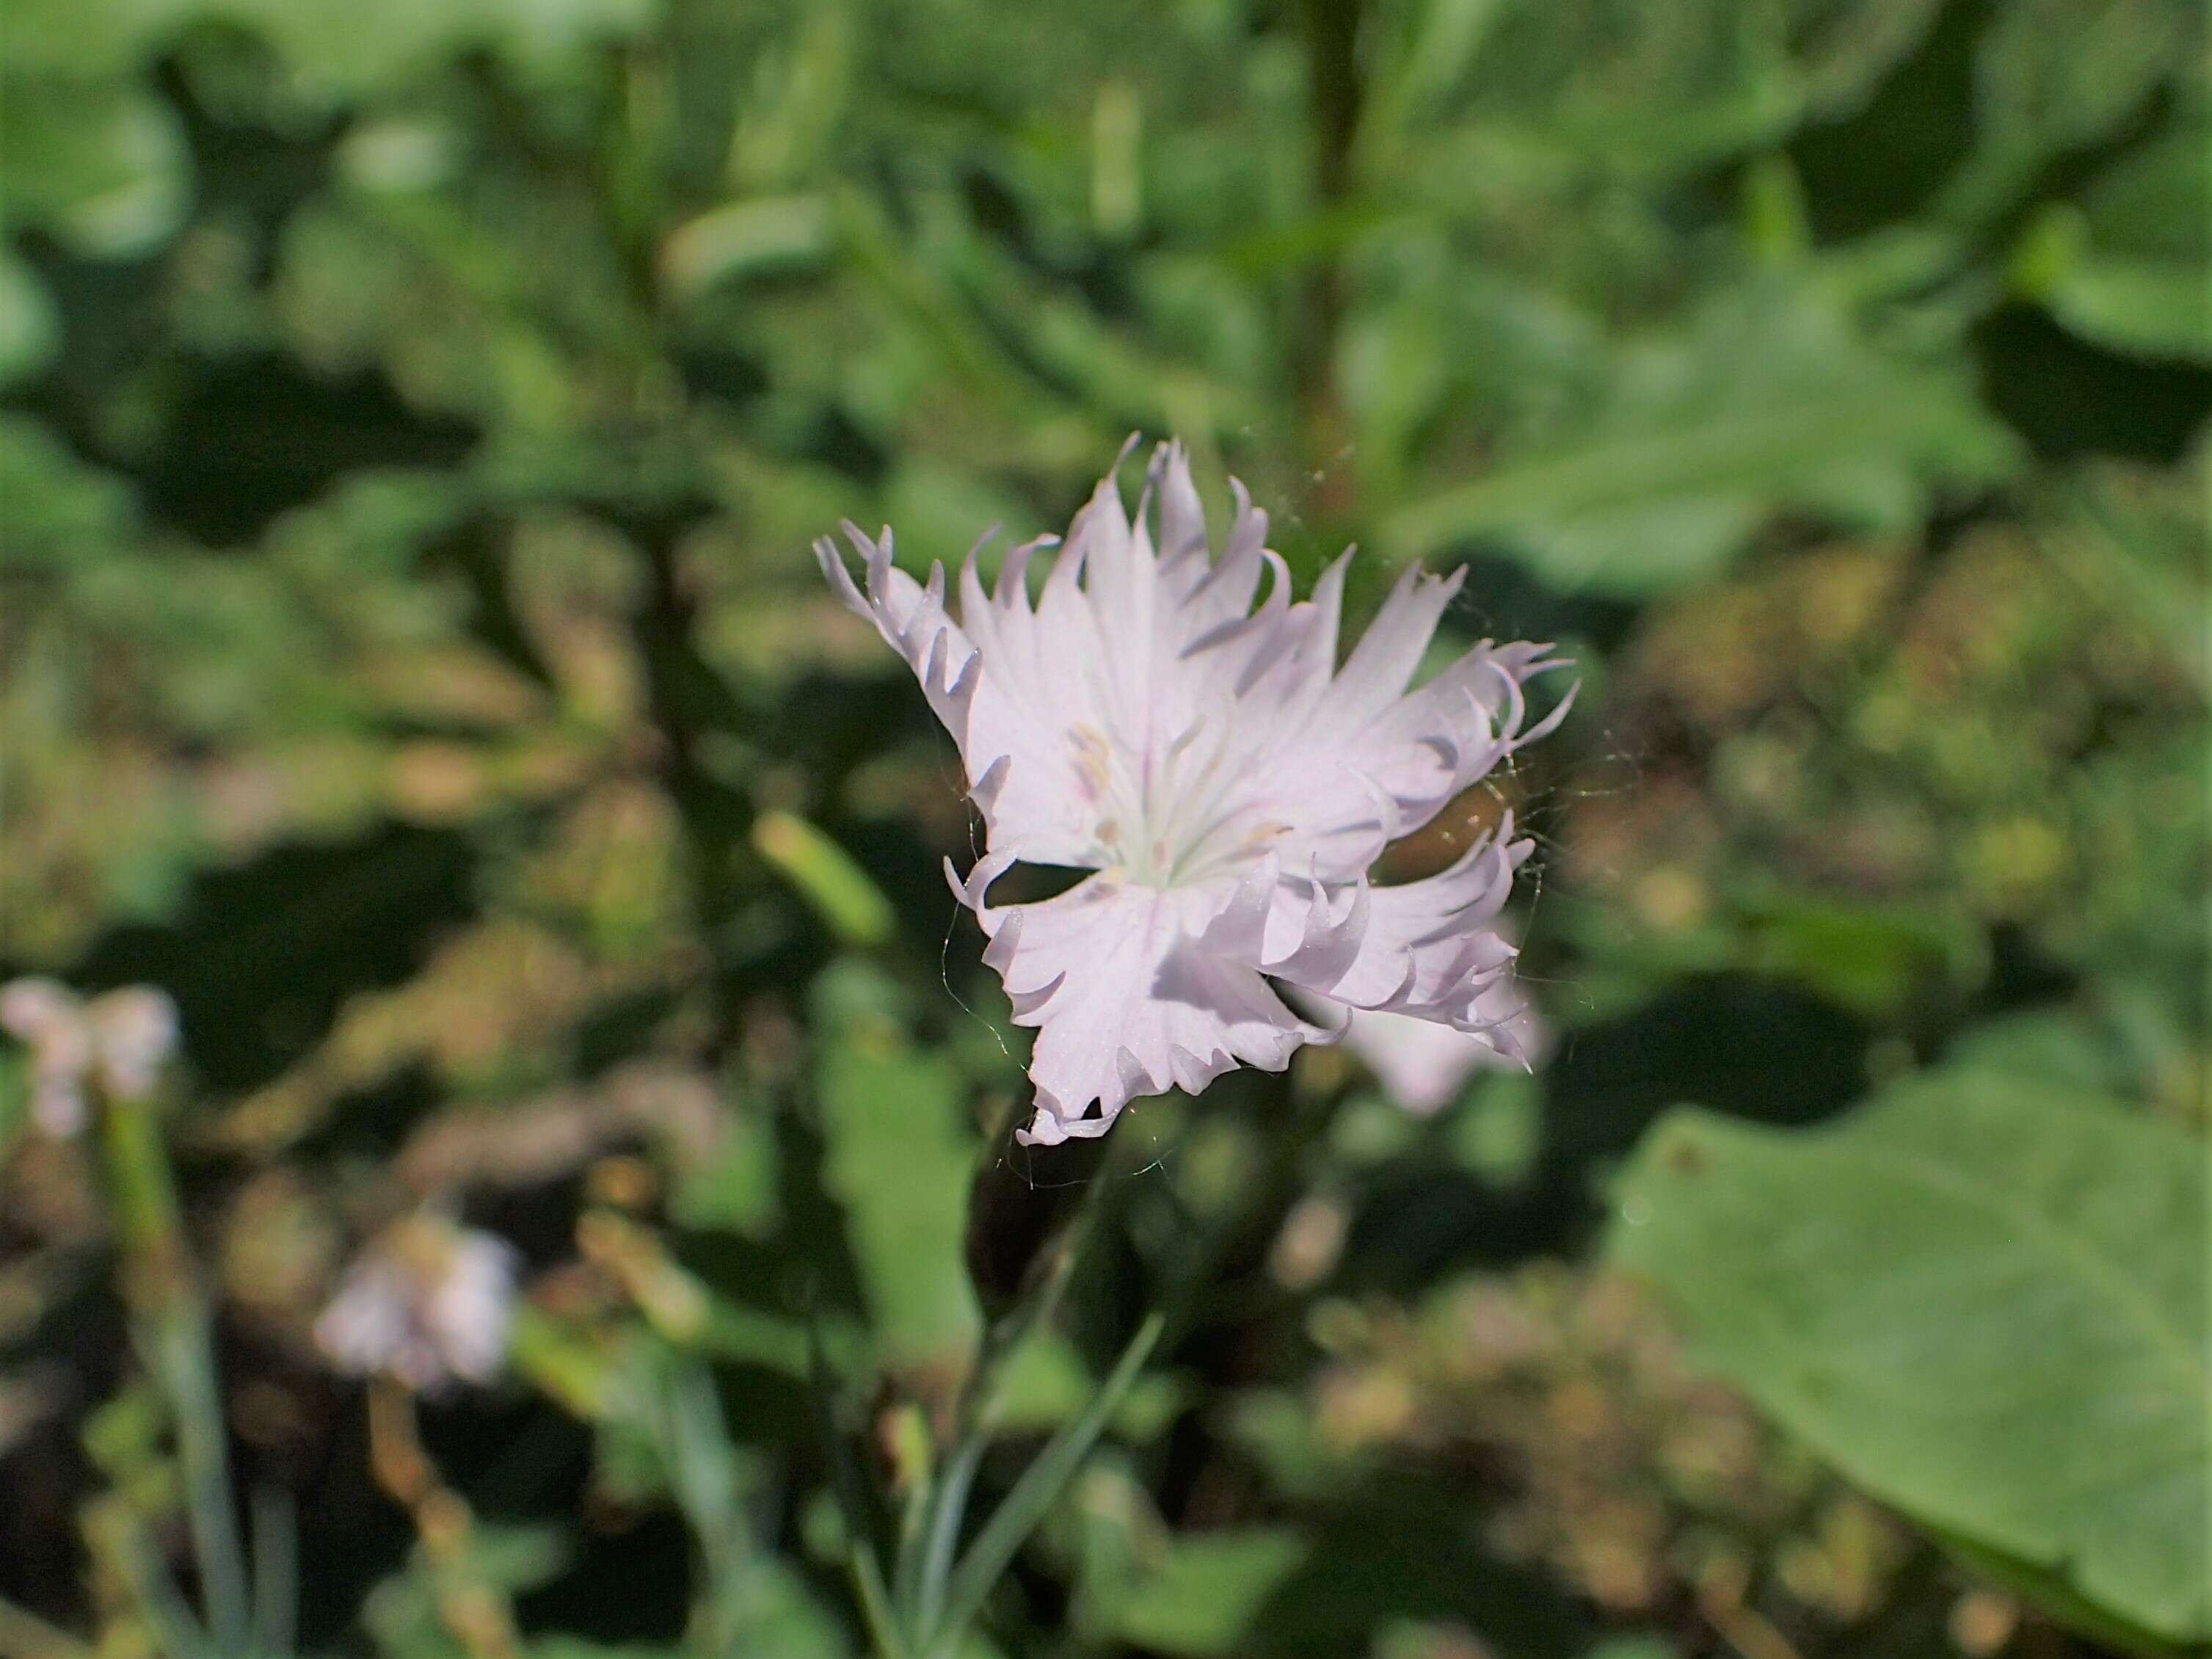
[175,1332]
[915,1526]
[845,1485]
[169,1621]
[1040,1487]
[276,1560]
[701,1463]
[875,1601]
[144,1194]
[949,1507]
[976,1416]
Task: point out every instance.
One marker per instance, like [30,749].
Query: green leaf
[826,876]
[2126,269]
[1983,1302]
[742,239]
[1046,1383]
[15,1095]
[1200,1596]
[29,331]
[1634,1647]
[344,51]
[402,1614]
[2048,1589]
[2152,308]
[735,1188]
[1037,1490]
[898,1161]
[2054,75]
[103,166]
[1768,402]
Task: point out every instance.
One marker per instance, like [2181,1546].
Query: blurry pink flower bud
[120,1040]
[134,1033]
[426,1302]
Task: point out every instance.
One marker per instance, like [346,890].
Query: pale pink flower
[120,1040]
[1229,785]
[1422,1065]
[426,1302]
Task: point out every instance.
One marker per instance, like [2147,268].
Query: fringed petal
[1154,717]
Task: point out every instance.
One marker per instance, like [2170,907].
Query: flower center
[1165,817]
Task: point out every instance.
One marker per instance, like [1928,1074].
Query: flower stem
[1040,1487]
[174,1331]
[477,1614]
[1043,1279]
[876,1603]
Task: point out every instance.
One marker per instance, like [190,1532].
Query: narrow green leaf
[1039,1488]
[160,1602]
[875,1601]
[826,876]
[740,239]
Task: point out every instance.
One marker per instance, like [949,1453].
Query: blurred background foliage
[414,418]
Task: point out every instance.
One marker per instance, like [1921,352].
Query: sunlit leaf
[1984,1301]
[1768,402]
[1198,1597]
[898,1161]
[29,331]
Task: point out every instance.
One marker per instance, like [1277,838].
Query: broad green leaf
[898,1161]
[1200,1596]
[60,511]
[2070,1049]
[103,166]
[1984,1302]
[2126,268]
[2054,75]
[2048,1588]
[1769,402]
[2154,307]
[2151,201]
